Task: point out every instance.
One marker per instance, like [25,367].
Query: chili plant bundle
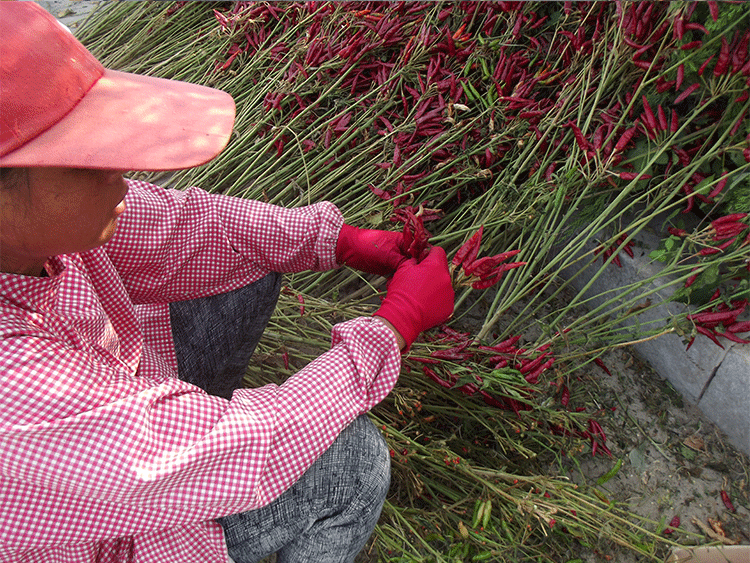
[528,138]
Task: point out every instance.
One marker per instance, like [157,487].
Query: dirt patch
[675,463]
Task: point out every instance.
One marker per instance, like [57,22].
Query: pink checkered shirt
[106,455]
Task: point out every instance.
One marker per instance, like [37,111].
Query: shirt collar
[31,292]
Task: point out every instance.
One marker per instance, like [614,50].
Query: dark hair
[13,178]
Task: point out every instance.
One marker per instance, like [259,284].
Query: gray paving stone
[717,380]
[727,398]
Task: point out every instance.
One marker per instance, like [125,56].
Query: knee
[374,461]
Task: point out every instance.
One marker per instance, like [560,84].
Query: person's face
[57,211]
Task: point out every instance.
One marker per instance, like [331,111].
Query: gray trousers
[330,512]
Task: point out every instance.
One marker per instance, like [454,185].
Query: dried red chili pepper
[731,218]
[633,176]
[691,45]
[469,250]
[722,63]
[740,326]
[739,52]
[727,501]
[689,90]
[457,354]
[565,397]
[485,266]
[504,346]
[625,139]
[677,232]
[436,378]
[662,118]
[713,8]
[650,119]
[673,523]
[711,334]
[600,363]
[416,237]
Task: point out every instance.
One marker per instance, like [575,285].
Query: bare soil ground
[675,462]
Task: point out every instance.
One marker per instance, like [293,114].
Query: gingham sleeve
[172,245]
[101,453]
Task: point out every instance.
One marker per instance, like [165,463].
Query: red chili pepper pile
[461,69]
[457,76]
[447,367]
[722,322]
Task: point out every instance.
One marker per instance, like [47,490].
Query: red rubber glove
[370,250]
[420,296]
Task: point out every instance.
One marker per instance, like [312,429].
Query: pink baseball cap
[60,107]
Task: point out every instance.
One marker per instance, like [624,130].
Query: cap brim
[134,122]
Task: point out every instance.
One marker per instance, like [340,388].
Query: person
[128,315]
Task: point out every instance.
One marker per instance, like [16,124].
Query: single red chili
[711,334]
[504,346]
[727,501]
[691,45]
[436,378]
[663,126]
[650,119]
[731,218]
[457,353]
[731,336]
[625,139]
[739,53]
[633,176]
[674,523]
[677,232]
[679,28]
[740,326]
[704,65]
[689,90]
[565,398]
[722,63]
[708,317]
[600,363]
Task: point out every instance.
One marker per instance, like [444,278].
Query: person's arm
[89,450]
[186,244]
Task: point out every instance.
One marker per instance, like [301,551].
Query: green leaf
[658,255]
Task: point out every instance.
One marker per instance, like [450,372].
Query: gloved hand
[370,250]
[420,296]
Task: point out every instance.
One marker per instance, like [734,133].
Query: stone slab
[716,380]
[726,400]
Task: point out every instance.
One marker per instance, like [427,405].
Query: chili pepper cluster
[461,68]
[480,273]
[722,322]
[447,367]
[607,251]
